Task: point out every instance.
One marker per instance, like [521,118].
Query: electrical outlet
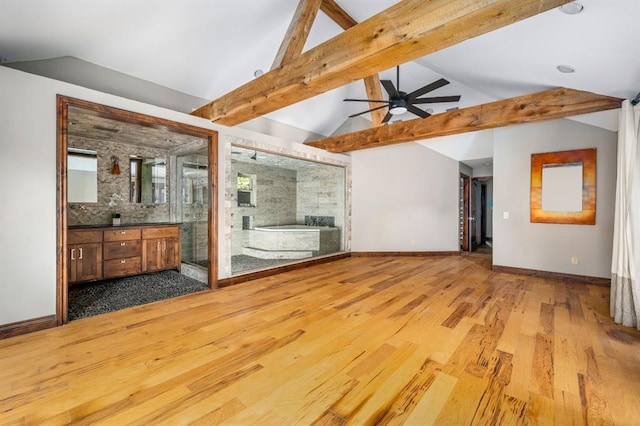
[574,260]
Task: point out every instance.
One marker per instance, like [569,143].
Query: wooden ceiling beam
[297,33]
[407,30]
[372,86]
[547,105]
[337,14]
[372,82]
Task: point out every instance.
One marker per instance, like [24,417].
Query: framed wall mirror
[82,174]
[563,187]
[147,180]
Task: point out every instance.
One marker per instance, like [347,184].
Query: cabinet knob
[123,232]
[123,261]
[123,243]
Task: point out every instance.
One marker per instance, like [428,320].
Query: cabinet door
[88,262]
[171,248]
[84,262]
[152,255]
[72,258]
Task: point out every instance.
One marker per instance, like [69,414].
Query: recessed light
[572,8]
[566,69]
[488,163]
[258,73]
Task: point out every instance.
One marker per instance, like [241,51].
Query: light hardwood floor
[419,341]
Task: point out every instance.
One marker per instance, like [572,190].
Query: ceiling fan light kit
[400,102]
[572,8]
[397,107]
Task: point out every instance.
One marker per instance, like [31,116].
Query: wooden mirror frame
[588,214]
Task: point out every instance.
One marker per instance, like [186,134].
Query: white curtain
[625,283]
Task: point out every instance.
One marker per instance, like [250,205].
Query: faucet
[197,210]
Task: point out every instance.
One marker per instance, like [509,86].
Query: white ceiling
[206,49]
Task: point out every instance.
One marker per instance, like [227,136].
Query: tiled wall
[321,192]
[275,200]
[100,213]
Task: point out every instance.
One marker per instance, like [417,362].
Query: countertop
[124,225]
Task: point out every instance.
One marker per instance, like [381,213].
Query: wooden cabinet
[99,253]
[161,248]
[122,250]
[84,255]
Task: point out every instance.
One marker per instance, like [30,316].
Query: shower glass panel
[193,196]
[283,210]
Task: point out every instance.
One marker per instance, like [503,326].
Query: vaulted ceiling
[206,49]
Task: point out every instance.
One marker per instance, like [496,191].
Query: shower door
[193,207]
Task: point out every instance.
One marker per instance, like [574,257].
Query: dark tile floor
[100,297]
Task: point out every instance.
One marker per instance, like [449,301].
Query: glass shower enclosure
[192,206]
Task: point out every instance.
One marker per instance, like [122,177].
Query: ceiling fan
[400,102]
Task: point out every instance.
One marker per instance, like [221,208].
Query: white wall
[549,247]
[28,176]
[404,198]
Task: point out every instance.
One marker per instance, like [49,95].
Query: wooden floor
[415,341]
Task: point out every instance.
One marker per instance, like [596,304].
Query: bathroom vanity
[95,252]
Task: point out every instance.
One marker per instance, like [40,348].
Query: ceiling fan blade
[390,88]
[364,100]
[436,99]
[417,111]
[428,88]
[369,110]
[387,117]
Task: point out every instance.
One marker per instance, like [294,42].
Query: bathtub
[292,241]
[287,228]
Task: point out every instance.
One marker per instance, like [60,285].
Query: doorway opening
[119,120]
[476,214]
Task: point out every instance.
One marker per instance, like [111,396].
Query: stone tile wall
[275,201]
[321,192]
[100,213]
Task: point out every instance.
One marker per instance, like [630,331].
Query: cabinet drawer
[120,249]
[83,236]
[160,232]
[121,235]
[120,267]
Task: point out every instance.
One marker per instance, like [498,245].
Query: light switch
[505,215]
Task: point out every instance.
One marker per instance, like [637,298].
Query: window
[246,185]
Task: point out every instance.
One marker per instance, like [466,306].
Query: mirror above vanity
[120,168]
[82,172]
[147,180]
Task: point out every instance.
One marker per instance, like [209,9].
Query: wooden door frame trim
[63,103]
[466,193]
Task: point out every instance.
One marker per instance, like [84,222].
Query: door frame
[464,212]
[482,223]
[63,103]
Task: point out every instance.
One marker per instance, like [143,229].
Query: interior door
[464,212]
[475,214]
